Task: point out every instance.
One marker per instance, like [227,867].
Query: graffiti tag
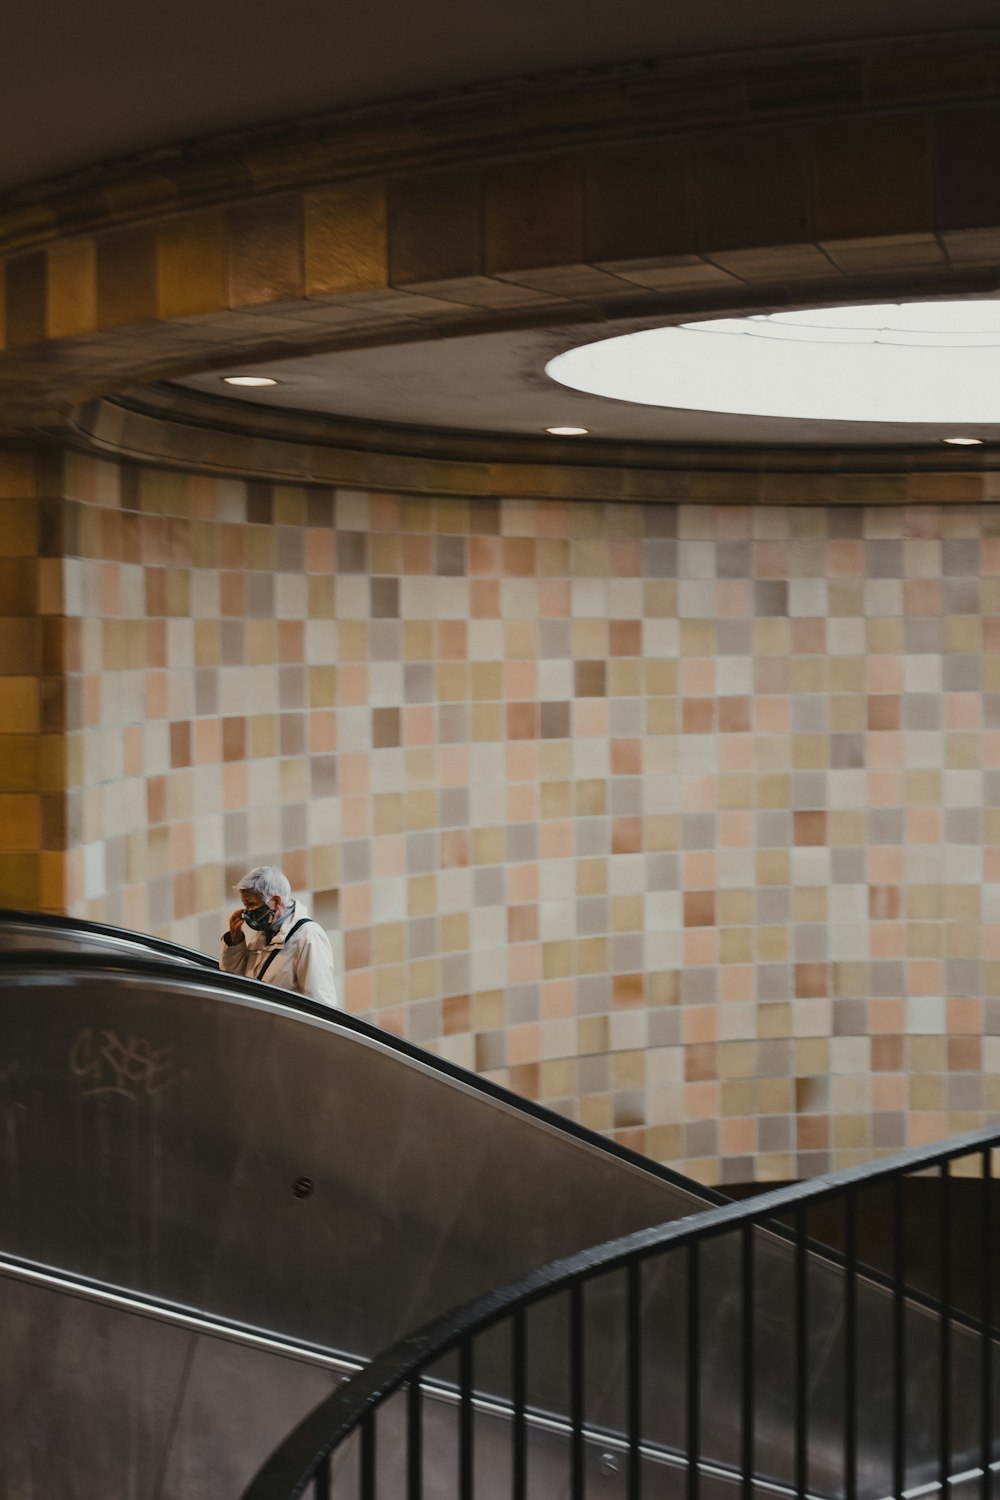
[132,1068]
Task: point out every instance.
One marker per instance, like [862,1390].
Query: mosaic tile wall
[681,819]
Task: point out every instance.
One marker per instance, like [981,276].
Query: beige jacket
[305,964]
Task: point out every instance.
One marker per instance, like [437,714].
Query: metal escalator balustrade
[32,931]
[707,1357]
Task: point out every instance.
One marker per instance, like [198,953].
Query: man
[274,939]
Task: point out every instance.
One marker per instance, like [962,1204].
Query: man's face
[253,904]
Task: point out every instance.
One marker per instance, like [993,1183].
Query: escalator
[216,1197]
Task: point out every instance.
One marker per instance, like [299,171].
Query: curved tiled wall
[680,818]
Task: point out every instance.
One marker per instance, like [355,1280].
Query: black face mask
[258,917]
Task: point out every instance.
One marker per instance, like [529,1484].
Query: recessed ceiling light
[249,380]
[959,442]
[568,431]
[929,362]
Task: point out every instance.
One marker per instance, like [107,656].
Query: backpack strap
[275,951]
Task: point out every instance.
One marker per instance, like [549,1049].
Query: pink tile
[207,747]
[886,789]
[354,817]
[885,749]
[923,825]
[734,598]
[389,855]
[452,640]
[553,518]
[522,882]
[701,946]
[736,830]
[927,1127]
[520,680]
[771,715]
[524,966]
[737,982]
[734,523]
[736,752]
[484,599]
[770,674]
[384,512]
[156,695]
[356,905]
[522,760]
[626,559]
[887,939]
[885,865]
[235,785]
[701,1101]
[700,793]
[558,999]
[320,551]
[965,1016]
[770,560]
[454,848]
[737,1137]
[590,717]
[523,1043]
[322,730]
[925,976]
[845,559]
[884,674]
[696,678]
[962,710]
[522,802]
[698,1024]
[353,774]
[453,765]
[556,840]
[889,1092]
[921,596]
[484,555]
[357,988]
[352,684]
[554,597]
[887,1017]
[698,870]
[418,725]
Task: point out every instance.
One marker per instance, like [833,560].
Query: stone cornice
[170,427]
[651,99]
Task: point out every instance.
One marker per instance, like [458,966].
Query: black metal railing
[714,1354]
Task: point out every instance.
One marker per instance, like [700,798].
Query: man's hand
[236,925]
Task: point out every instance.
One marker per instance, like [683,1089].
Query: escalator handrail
[293,1464]
[104,930]
[234,988]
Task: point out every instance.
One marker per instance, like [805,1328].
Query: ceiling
[496,382]
[83,83]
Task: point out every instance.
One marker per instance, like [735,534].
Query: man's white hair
[266,881]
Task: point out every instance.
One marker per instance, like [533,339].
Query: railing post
[465,1423]
[634,1273]
[576,1402]
[747,1390]
[801,1356]
[944,1389]
[519,1456]
[693,1370]
[986,1318]
[898,1337]
[414,1441]
[850,1345]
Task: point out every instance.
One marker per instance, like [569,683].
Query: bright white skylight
[932,362]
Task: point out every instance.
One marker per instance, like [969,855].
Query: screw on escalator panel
[608,1463]
[303,1187]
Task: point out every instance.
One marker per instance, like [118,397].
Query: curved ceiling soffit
[176,428]
[767,180]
